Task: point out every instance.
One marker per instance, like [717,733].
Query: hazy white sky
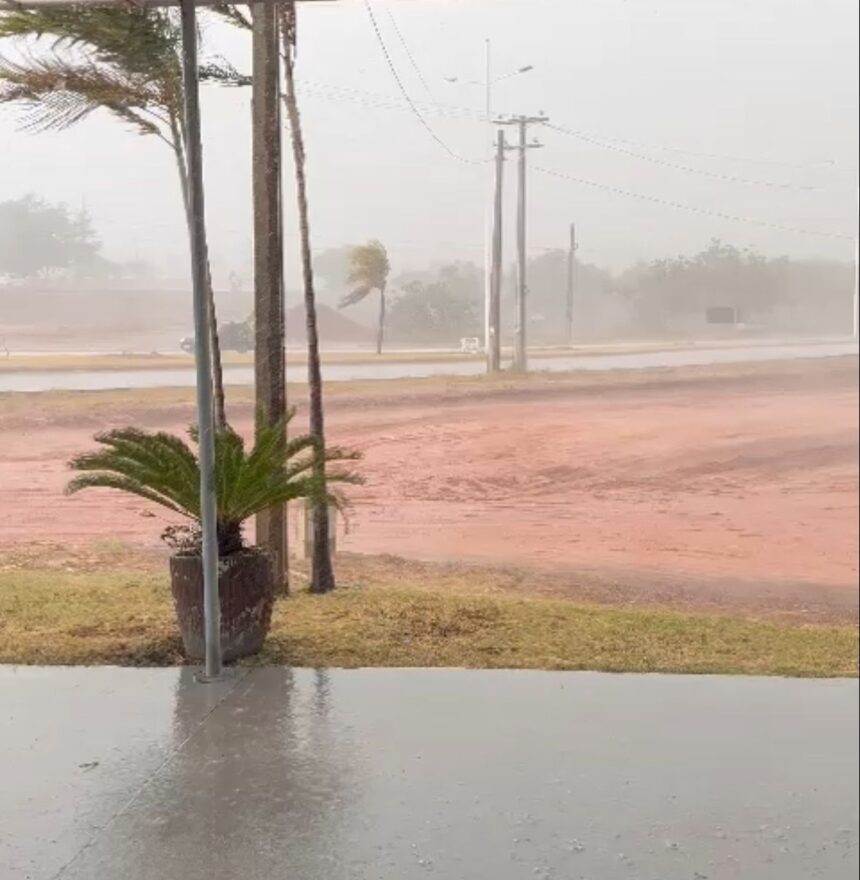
[770,86]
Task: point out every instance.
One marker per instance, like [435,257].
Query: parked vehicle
[235,336]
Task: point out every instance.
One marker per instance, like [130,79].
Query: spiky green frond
[163,468]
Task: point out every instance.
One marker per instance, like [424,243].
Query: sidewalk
[123,774]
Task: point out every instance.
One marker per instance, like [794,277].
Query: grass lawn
[126,617]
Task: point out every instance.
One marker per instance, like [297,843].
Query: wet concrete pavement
[122,774]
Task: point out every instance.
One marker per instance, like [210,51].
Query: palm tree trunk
[380,330]
[322,572]
[215,339]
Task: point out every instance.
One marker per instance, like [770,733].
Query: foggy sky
[772,82]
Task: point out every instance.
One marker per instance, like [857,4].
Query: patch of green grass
[127,618]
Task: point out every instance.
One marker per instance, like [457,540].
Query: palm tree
[126,61]
[369,268]
[322,572]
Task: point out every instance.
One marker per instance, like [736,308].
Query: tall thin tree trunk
[215,339]
[322,572]
[270,390]
[380,330]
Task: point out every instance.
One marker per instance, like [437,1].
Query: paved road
[73,380]
[405,774]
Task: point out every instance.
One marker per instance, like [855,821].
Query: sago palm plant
[163,468]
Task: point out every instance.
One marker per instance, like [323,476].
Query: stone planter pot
[246,582]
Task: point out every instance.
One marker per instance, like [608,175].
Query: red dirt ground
[747,489]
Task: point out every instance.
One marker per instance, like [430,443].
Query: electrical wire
[727,157]
[691,208]
[412,106]
[409,54]
[716,175]
[378,100]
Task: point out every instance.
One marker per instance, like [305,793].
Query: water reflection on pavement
[401,774]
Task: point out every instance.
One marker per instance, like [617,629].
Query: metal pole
[488,271]
[571,269]
[203,351]
[520,357]
[856,326]
[494,353]
[856,316]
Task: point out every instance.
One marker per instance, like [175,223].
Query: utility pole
[856,323]
[489,222]
[571,274]
[494,337]
[269,356]
[521,315]
[855,318]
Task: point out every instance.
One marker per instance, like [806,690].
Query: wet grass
[126,618]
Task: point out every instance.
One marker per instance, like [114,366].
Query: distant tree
[369,269]
[682,288]
[38,239]
[435,312]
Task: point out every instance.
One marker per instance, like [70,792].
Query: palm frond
[354,296]
[220,71]
[145,41]
[59,92]
[369,265]
[233,15]
[139,48]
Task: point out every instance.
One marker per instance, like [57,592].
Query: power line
[691,208]
[405,94]
[378,100]
[749,160]
[716,175]
[409,54]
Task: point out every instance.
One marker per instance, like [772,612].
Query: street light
[488,82]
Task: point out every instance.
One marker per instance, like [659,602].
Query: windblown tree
[126,61]
[322,571]
[369,270]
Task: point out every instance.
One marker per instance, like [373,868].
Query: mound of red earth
[334,328]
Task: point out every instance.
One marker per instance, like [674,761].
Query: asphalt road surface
[127,774]
[74,380]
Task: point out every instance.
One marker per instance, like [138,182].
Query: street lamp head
[526,69]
